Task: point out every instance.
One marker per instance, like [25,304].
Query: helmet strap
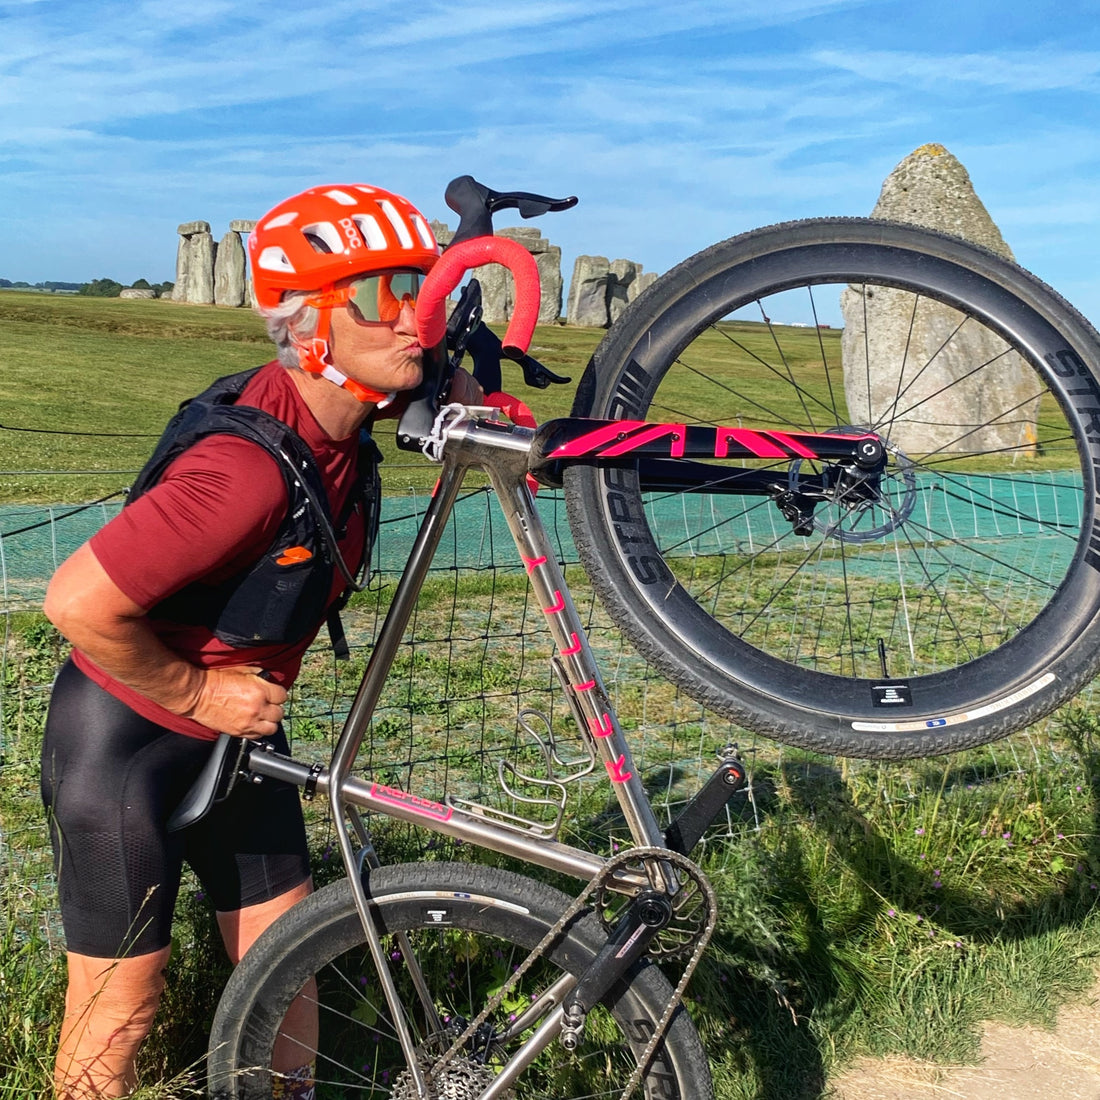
[315,355]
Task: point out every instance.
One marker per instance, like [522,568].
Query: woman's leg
[251,856]
[240,928]
[110,779]
[109,1009]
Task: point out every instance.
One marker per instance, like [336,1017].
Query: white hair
[290,324]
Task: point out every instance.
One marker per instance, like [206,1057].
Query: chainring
[690,914]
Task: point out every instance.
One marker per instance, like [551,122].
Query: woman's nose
[406,317]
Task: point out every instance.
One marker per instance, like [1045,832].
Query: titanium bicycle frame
[502,452]
[505,453]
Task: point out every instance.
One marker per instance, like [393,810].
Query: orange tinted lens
[377,299]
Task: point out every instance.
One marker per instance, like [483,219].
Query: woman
[154,604]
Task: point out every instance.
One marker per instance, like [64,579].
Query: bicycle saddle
[214,782]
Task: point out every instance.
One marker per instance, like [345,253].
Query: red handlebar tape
[431,311]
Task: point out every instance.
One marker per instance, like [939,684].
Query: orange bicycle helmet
[327,233]
[333,232]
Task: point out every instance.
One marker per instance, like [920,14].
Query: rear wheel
[470,927]
[948,600]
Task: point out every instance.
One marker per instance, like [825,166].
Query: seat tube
[582,679]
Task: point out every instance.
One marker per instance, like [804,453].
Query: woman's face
[373,337]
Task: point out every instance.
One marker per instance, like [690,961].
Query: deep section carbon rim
[469,927]
[947,599]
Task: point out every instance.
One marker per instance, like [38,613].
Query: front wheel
[944,600]
[469,928]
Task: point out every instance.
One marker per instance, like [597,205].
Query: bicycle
[853,580]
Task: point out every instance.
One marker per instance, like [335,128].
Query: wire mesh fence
[472,708]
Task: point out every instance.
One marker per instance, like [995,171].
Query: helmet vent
[427,239]
[277,222]
[398,223]
[371,230]
[342,197]
[274,258]
[328,233]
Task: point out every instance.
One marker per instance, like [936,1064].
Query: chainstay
[613,865]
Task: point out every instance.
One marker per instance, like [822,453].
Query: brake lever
[464,321]
[475,204]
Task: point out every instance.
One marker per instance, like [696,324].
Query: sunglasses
[378,299]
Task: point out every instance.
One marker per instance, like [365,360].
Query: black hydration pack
[283,596]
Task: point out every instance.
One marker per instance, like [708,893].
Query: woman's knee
[115,998]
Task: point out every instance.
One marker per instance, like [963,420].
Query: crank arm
[710,800]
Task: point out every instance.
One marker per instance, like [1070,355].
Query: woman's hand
[238,701]
[101,620]
[465,389]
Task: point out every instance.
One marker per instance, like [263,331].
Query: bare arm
[93,613]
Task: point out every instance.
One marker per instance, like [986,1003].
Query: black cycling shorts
[110,781]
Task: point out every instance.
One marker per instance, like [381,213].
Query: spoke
[824,358]
[787,373]
[965,491]
[904,354]
[802,391]
[895,416]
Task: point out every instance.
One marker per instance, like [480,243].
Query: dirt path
[1017,1064]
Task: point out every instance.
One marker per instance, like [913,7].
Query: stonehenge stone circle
[497,287]
[888,347]
[209,273]
[218,273]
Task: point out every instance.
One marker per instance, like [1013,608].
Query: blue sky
[677,123]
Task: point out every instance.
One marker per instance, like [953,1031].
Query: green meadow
[866,908]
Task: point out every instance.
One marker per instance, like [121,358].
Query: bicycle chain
[631,855]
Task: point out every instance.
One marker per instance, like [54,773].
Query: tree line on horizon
[97,288]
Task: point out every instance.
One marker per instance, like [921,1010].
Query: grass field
[865,908]
[89,383]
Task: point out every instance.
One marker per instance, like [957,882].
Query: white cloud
[1015,71]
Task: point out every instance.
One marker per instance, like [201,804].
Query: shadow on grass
[796,969]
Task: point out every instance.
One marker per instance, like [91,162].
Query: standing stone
[588,292]
[195,264]
[497,293]
[889,349]
[549,265]
[644,280]
[229,272]
[200,279]
[441,231]
[620,287]
[245,226]
[548,261]
[183,270]
[930,187]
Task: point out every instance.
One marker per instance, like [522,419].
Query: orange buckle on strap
[329,297]
[292,555]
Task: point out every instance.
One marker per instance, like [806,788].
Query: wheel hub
[863,505]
